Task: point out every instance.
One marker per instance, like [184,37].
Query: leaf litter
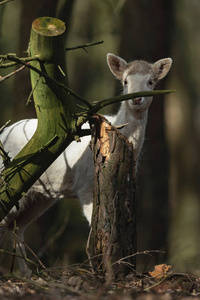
[81,284]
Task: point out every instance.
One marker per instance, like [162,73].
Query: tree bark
[113,231]
[55,112]
[30,10]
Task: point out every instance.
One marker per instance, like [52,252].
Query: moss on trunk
[55,112]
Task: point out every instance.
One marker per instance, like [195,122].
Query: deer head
[138,76]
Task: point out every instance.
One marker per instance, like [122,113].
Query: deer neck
[134,131]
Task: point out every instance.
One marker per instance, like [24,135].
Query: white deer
[72,174]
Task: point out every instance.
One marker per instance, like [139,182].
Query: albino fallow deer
[72,173]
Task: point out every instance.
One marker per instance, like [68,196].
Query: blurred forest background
[169,171]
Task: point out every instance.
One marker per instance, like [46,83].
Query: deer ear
[162,67]
[117,65]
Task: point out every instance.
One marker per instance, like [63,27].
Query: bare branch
[62,86]
[4,126]
[32,252]
[11,74]
[5,1]
[3,153]
[97,105]
[84,46]
[13,63]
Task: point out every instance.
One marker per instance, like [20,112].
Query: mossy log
[113,232]
[55,112]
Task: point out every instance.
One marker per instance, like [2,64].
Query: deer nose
[137,101]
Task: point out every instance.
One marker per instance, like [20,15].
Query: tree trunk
[184,140]
[151,24]
[113,231]
[30,10]
[54,109]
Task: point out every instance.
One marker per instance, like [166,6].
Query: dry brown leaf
[160,271]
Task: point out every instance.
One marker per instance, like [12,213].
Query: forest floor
[80,284]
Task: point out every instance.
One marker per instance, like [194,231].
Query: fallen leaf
[160,271]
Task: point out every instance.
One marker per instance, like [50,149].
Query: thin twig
[14,249]
[11,74]
[4,154]
[159,282]
[97,105]
[91,258]
[62,86]
[84,46]
[146,252]
[5,1]
[32,91]
[11,64]
[17,255]
[32,252]
[4,126]
[88,251]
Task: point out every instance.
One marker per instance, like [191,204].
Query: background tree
[150,39]
[183,128]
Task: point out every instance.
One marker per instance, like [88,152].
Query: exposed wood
[113,233]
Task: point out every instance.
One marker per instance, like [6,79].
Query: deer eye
[150,82]
[125,82]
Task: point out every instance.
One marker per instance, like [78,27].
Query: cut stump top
[48,26]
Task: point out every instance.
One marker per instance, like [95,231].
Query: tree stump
[112,240]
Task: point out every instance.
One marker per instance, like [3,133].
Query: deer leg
[30,208]
[86,199]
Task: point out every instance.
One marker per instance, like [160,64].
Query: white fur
[72,174]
